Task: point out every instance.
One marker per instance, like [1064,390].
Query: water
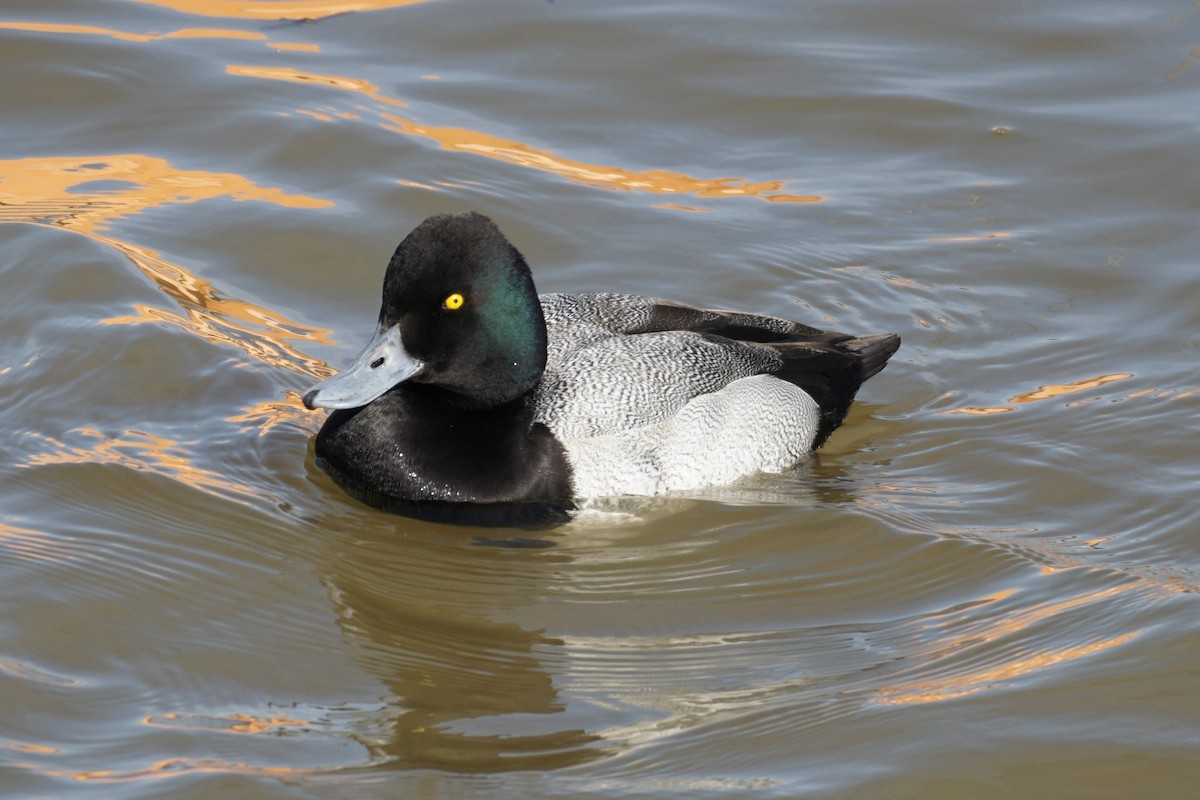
[984,587]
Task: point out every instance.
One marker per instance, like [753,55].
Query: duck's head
[459,312]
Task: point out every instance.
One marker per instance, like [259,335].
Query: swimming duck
[480,402]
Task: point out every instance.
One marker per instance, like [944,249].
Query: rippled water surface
[984,587]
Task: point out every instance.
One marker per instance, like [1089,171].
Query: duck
[478,401]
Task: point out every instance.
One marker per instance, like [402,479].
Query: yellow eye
[453,302]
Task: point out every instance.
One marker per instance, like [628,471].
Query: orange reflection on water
[268,414]
[26,747]
[91,30]
[275,9]
[222,323]
[54,189]
[297,76]
[973,635]
[58,192]
[144,452]
[1047,392]
[980,411]
[681,207]
[299,47]
[19,669]
[521,154]
[125,36]
[233,723]
[1057,390]
[886,277]
[980,238]
[212,33]
[177,767]
[261,333]
[989,677]
[654,181]
[34,545]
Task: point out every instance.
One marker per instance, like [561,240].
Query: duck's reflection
[467,690]
[519,655]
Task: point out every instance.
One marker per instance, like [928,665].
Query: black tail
[874,352]
[833,371]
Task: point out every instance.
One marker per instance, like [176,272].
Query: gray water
[983,587]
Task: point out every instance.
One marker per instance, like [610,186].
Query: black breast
[417,452]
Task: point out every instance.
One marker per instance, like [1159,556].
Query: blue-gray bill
[382,364]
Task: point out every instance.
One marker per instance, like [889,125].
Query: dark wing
[667,316]
[581,315]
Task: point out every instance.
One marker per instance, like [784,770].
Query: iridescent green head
[459,312]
